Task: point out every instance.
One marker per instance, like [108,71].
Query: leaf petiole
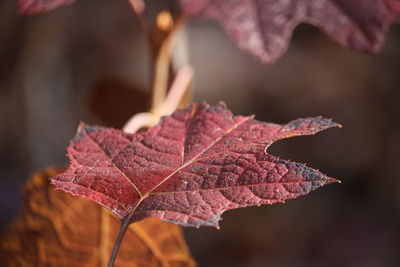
[124,226]
[118,241]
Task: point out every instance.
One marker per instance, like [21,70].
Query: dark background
[89,62]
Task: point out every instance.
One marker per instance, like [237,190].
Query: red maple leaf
[264,27]
[27,7]
[191,167]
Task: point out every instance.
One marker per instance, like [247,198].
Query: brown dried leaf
[57,229]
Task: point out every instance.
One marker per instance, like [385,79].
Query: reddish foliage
[190,168]
[27,7]
[264,27]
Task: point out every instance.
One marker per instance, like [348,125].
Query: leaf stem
[175,96]
[177,90]
[117,244]
[121,234]
[140,120]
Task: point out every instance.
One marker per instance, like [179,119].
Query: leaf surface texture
[191,167]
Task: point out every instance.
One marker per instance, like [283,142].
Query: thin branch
[180,58]
[178,88]
[160,81]
[162,51]
[140,120]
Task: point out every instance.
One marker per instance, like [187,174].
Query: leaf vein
[201,153]
[230,187]
[112,162]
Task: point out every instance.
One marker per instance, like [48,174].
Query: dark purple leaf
[264,27]
[27,7]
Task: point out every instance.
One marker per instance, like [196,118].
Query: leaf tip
[333,180]
[326,123]
[81,126]
[222,104]
[330,180]
[335,124]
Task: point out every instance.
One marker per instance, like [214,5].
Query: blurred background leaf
[58,229]
[114,101]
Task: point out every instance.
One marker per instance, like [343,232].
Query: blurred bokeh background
[89,62]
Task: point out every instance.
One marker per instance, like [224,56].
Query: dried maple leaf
[57,229]
[264,27]
[190,168]
[27,7]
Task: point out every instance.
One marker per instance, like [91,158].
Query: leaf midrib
[196,157]
[236,186]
